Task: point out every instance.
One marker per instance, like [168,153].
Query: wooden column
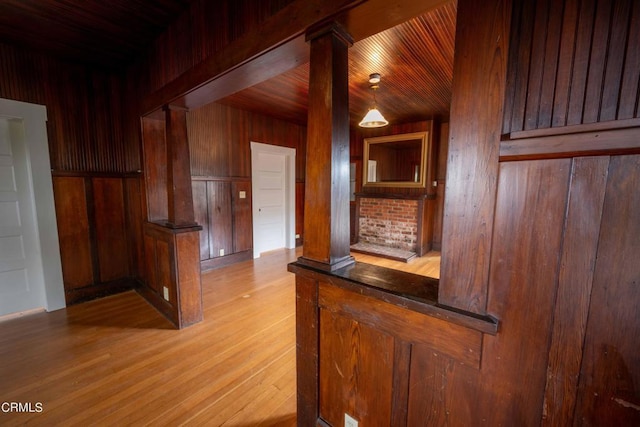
[326,219]
[171,237]
[479,83]
[180,198]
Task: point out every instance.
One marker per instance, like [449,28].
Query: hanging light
[373,118]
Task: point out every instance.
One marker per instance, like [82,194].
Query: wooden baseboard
[98,290]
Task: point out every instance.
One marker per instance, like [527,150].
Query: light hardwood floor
[116,361]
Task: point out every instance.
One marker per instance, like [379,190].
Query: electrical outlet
[165,292]
[221,252]
[297,236]
[349,421]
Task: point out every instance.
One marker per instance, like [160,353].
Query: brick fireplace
[389,222]
[394,221]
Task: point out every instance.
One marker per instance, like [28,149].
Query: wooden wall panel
[73,231]
[442,391]
[574,65]
[112,247]
[155,173]
[135,215]
[529,221]
[610,374]
[220,218]
[84,109]
[220,137]
[580,242]
[220,150]
[150,271]
[357,378]
[242,216]
[99,221]
[201,213]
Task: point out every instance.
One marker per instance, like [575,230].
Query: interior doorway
[273,200]
[30,267]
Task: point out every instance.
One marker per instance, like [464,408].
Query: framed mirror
[396,160]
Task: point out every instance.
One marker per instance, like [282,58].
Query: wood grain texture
[111,240]
[201,215]
[326,220]
[179,197]
[84,109]
[189,289]
[155,173]
[529,222]
[573,298]
[307,351]
[442,392]
[73,231]
[220,218]
[460,343]
[120,362]
[134,215]
[609,375]
[474,136]
[242,216]
[573,65]
[357,377]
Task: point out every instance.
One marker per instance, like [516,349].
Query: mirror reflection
[395,160]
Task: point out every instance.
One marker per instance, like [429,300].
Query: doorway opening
[273,197]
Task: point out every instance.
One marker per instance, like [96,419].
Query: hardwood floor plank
[117,361]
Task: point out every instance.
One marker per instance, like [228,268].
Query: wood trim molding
[544,145]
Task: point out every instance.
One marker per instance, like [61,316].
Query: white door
[270,201]
[273,183]
[21,275]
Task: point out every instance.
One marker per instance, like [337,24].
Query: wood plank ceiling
[415,59]
[104,33]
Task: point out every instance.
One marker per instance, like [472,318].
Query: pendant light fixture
[373,118]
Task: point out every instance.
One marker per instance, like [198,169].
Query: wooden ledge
[407,290]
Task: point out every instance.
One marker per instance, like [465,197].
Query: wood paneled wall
[99,219]
[220,149]
[540,234]
[97,199]
[84,110]
[573,65]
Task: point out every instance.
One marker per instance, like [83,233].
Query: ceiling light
[373,118]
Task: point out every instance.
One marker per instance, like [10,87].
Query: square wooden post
[326,211]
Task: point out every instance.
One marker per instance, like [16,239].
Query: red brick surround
[389,222]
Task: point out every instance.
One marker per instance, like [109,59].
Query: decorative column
[326,209]
[171,236]
[179,193]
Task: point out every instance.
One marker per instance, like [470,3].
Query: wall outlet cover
[165,293]
[349,421]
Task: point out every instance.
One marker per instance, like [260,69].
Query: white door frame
[290,191]
[34,121]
